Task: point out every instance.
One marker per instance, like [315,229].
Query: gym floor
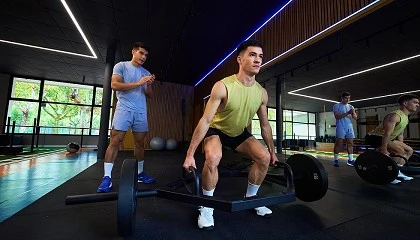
[32,205]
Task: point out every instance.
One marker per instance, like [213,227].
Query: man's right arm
[217,94]
[389,124]
[339,115]
[118,84]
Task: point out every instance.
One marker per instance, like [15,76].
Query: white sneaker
[263,211]
[205,218]
[396,181]
[404,177]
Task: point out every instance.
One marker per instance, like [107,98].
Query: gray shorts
[123,120]
[344,132]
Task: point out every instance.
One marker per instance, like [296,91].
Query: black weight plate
[127,200]
[376,168]
[415,158]
[309,177]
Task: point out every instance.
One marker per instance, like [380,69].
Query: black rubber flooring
[351,209]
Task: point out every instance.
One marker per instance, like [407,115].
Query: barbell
[377,168]
[304,177]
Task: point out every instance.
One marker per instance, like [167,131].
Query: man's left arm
[353,112]
[148,88]
[266,128]
[148,91]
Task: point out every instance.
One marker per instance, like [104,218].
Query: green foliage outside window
[26,89]
[65,107]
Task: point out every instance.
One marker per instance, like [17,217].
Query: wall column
[106,103]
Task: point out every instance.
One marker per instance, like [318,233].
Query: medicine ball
[171,144]
[73,147]
[157,143]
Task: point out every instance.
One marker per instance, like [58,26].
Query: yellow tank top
[398,129]
[242,104]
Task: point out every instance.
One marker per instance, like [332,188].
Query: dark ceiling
[187,38]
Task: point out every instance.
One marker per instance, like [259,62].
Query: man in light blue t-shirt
[132,84]
[343,113]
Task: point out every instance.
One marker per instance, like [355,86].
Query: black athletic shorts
[373,140]
[227,141]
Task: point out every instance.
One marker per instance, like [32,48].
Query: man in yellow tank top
[388,136]
[233,102]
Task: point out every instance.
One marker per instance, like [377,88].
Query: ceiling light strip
[61,51]
[389,95]
[78,27]
[357,73]
[317,98]
[47,49]
[358,100]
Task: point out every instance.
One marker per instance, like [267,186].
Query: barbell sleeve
[91,198]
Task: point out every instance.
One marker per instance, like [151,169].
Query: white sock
[350,157]
[252,190]
[335,156]
[140,164]
[108,169]
[208,193]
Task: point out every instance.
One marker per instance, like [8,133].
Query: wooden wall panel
[165,112]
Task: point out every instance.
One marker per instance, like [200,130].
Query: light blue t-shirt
[343,108]
[134,99]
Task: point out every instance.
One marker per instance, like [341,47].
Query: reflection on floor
[27,179]
[322,154]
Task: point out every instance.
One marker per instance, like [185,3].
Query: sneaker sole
[140,181]
[103,191]
[405,179]
[264,216]
[206,228]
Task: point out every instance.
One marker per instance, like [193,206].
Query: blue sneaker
[105,185]
[350,163]
[144,178]
[335,163]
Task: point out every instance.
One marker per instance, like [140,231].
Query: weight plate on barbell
[127,200]
[376,168]
[309,177]
[415,158]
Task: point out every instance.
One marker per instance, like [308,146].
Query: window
[63,108]
[23,114]
[25,89]
[255,124]
[296,124]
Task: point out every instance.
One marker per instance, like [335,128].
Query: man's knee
[115,142]
[213,159]
[263,158]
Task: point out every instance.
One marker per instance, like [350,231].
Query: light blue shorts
[344,132]
[123,120]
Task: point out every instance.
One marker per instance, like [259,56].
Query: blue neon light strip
[281,9]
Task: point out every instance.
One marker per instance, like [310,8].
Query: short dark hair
[406,97]
[345,94]
[138,45]
[248,43]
